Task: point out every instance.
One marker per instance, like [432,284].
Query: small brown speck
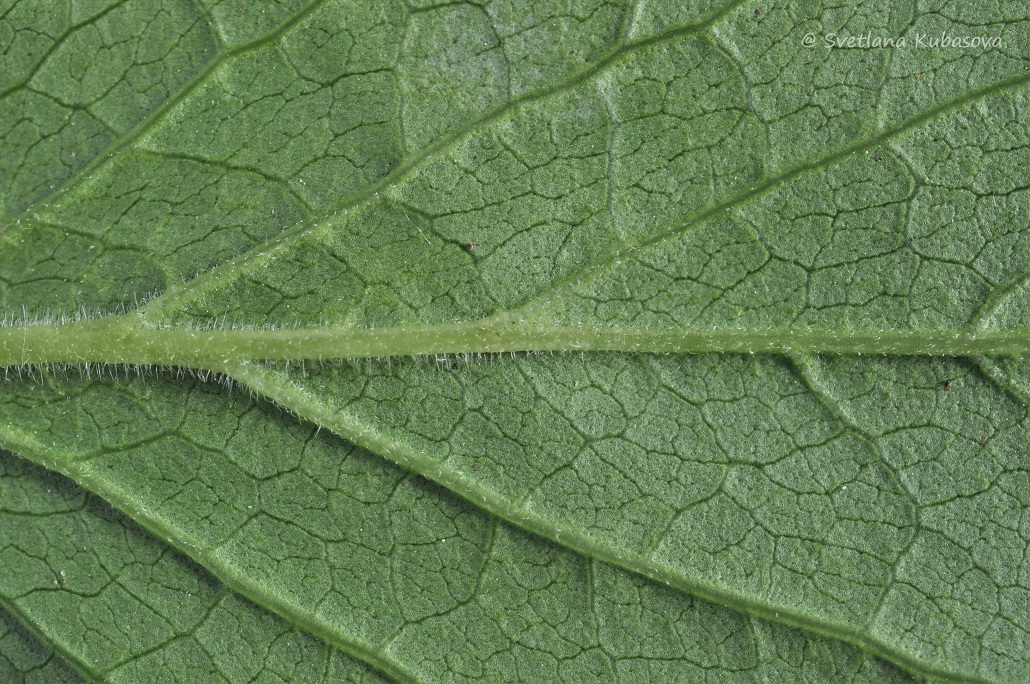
[947,385]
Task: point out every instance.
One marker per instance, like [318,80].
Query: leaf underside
[676,168]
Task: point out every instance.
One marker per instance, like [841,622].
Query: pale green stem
[124,340]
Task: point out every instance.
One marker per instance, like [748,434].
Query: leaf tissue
[514,340]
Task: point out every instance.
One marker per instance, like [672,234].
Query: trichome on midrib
[130,340]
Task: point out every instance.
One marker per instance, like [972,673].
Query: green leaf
[121,605]
[837,487]
[24,659]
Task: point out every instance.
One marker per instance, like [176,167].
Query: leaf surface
[598,169]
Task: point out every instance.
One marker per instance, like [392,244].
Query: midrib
[125,340]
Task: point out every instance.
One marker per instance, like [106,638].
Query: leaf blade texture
[656,167]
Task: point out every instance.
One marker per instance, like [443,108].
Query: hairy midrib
[125,340]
